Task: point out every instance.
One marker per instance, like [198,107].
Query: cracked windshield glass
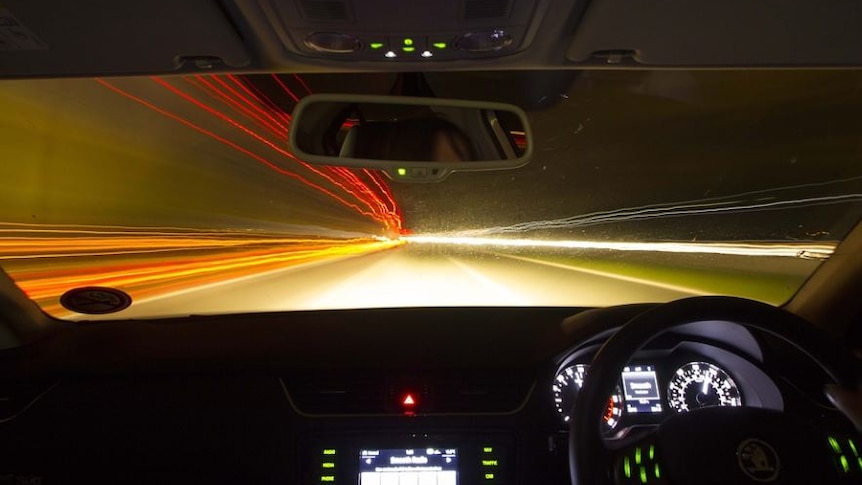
[179,195]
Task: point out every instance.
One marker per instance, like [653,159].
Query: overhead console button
[333,43]
[489,41]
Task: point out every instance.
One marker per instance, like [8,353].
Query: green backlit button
[845,465]
[329,451]
[835,446]
[327,478]
[487,449]
[439,45]
[408,41]
[408,49]
[328,464]
[376,45]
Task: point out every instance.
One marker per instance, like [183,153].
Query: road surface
[411,275]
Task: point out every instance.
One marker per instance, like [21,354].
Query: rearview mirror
[410,139]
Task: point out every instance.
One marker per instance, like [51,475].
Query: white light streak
[817,251]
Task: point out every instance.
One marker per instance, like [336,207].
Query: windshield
[644,187]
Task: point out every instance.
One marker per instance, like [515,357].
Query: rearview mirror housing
[411,139]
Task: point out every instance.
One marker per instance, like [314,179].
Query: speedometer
[566,385]
[701,384]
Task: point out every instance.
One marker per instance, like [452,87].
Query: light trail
[147,266]
[753,201]
[794,250]
[268,126]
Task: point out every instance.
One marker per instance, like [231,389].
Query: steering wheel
[721,445]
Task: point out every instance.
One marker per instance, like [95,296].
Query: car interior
[156,326]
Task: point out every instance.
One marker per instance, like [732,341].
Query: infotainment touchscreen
[408,466]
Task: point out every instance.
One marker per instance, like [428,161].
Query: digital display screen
[640,387]
[409,466]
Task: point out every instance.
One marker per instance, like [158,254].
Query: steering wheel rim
[588,454]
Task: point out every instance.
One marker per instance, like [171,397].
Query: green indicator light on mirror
[376,45]
[408,41]
[643,475]
[439,45]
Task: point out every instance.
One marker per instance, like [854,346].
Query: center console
[476,458]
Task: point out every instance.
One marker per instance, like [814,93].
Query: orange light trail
[150,264]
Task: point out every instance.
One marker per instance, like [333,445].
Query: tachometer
[700,384]
[566,385]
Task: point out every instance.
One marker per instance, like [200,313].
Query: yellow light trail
[779,249]
[153,266]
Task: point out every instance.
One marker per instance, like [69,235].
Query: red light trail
[254,115]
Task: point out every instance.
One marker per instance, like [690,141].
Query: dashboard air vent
[325,10]
[485,9]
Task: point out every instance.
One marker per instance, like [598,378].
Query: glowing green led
[486,449]
[657,471]
[643,475]
[652,452]
[328,464]
[845,464]
[627,467]
[327,478]
[638,455]
[439,45]
[329,451]
[853,447]
[376,45]
[408,49]
[859,462]
[408,41]
[489,476]
[835,446]
[402,172]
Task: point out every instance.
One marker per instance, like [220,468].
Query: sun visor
[115,37]
[726,33]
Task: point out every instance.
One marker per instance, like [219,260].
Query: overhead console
[395,31]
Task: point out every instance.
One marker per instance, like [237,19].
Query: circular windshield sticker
[95,300]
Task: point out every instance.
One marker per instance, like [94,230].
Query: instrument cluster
[658,384]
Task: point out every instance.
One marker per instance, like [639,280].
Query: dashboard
[449,396]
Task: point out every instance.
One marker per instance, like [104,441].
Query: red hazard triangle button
[408,400]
